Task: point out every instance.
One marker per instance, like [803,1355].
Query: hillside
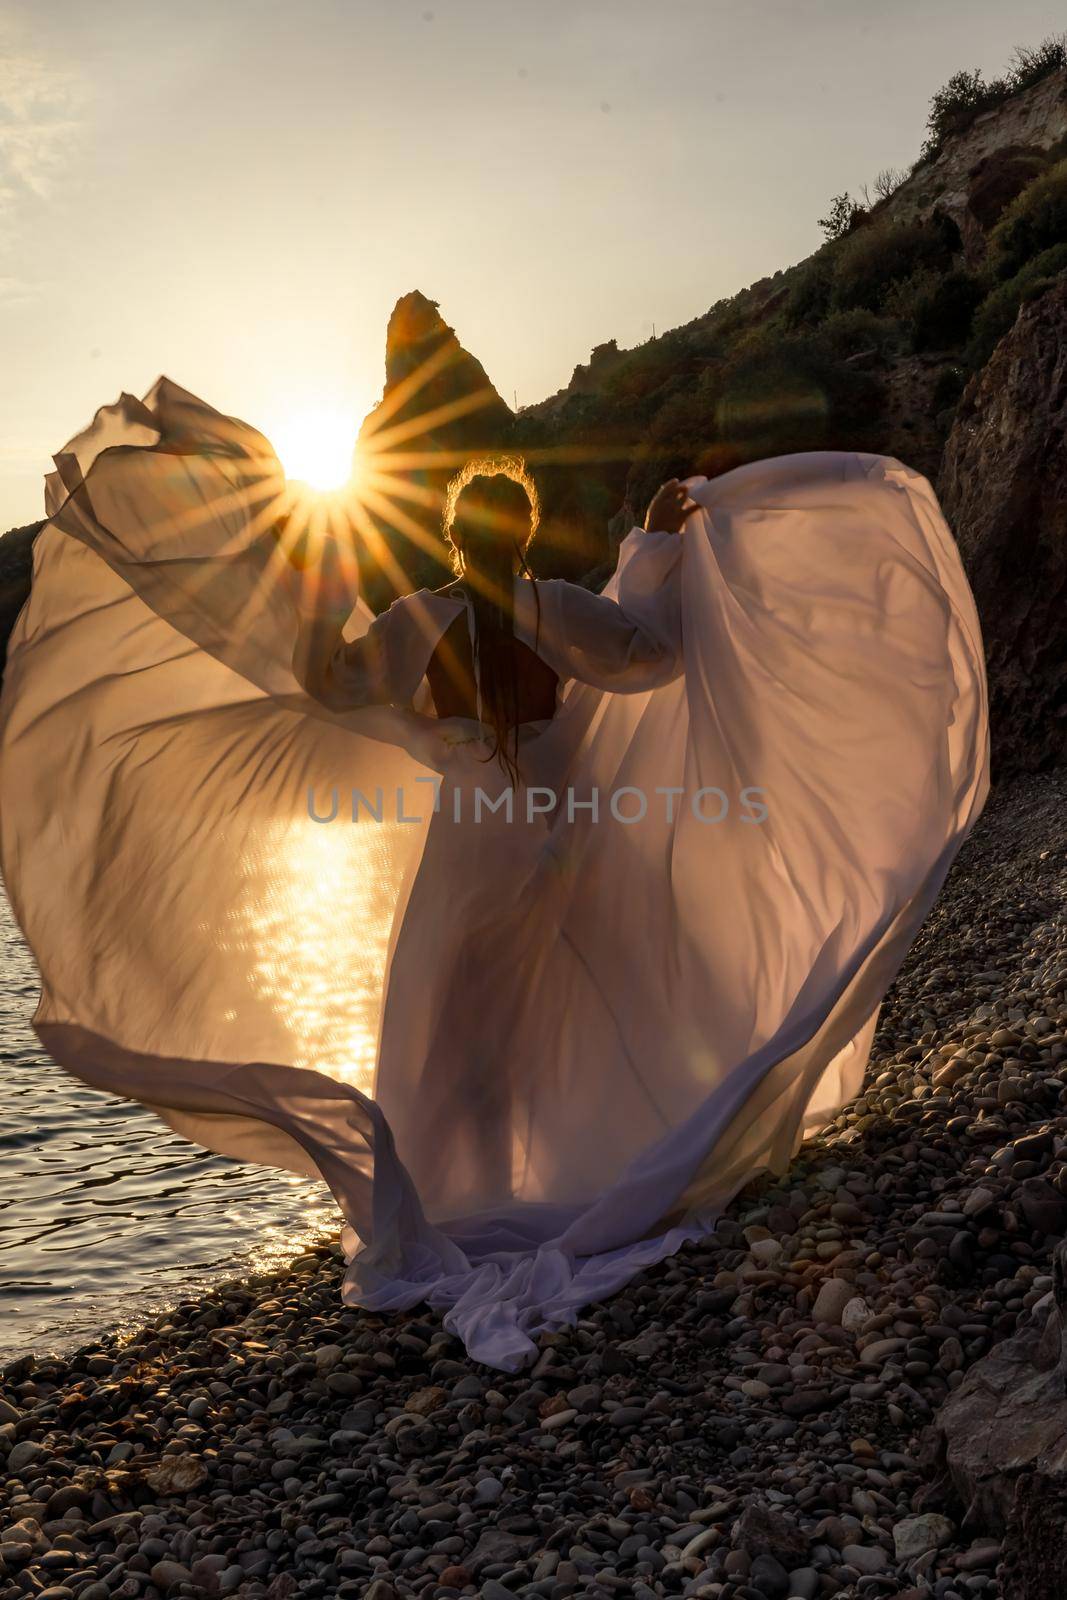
[866,344]
[878,341]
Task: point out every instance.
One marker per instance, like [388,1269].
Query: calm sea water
[105,1214]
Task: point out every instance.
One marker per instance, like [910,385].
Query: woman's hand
[668,510]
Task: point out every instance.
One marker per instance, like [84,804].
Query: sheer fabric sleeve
[629,638]
[383,667]
[342,673]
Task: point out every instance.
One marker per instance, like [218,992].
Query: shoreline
[746,1421]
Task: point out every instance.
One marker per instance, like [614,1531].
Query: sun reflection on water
[319,923]
[279,1243]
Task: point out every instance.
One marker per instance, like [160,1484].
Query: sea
[106,1215]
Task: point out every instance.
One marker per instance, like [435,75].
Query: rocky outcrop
[438,408]
[995,180]
[915,425]
[1003,487]
[976,171]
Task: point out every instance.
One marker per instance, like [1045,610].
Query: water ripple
[105,1213]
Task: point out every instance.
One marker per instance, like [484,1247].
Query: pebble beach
[750,1420]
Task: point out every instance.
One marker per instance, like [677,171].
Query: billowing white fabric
[529,1057]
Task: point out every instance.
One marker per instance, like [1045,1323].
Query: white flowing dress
[530,1053]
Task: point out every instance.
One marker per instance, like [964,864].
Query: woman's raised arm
[630,640]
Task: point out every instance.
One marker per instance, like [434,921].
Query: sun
[316,447]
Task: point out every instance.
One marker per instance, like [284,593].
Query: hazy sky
[235,192]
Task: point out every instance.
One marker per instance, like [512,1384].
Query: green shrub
[1035,219]
[1029,66]
[846,333]
[642,373]
[842,217]
[1036,288]
[955,106]
[966,94]
[903,296]
[944,313]
[999,309]
[776,395]
[872,259]
[795,396]
[764,335]
[808,301]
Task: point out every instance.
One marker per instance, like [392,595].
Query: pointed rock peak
[420,345]
[438,406]
[413,320]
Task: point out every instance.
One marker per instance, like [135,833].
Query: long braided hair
[491,513]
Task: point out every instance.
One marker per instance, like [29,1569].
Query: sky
[235,193]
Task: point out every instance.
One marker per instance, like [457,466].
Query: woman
[535,921]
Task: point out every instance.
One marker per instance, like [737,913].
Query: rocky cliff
[1003,487]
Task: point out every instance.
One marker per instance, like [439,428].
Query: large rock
[438,409]
[761,1528]
[831,1300]
[914,1536]
[1001,1438]
[1003,487]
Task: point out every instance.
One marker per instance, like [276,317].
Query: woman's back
[562,632]
[450,674]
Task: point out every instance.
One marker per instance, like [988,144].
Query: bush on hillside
[848,333]
[1030,65]
[796,395]
[889,181]
[873,259]
[998,310]
[966,94]
[955,106]
[808,300]
[943,313]
[777,395]
[684,424]
[1035,220]
[682,439]
[645,370]
[904,294]
[842,217]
